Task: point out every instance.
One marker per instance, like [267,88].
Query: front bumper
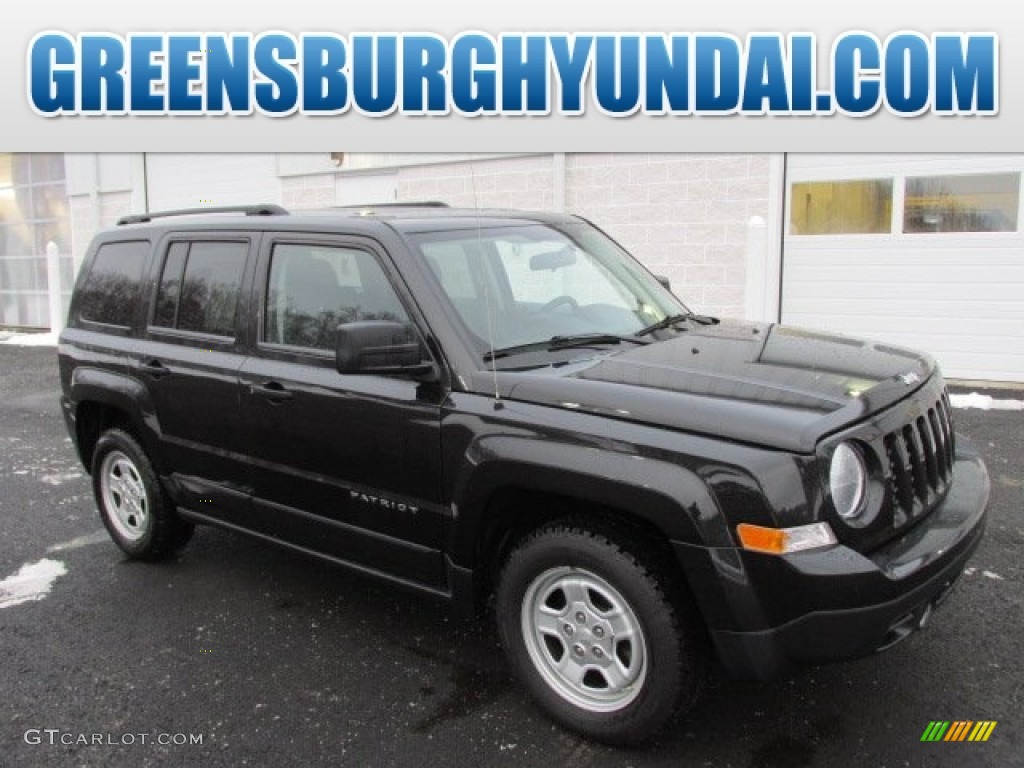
[832,604]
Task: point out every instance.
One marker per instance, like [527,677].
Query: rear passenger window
[199,287]
[314,288]
[110,293]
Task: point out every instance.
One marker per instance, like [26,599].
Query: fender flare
[127,394]
[673,499]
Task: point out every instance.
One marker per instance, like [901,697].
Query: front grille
[920,456]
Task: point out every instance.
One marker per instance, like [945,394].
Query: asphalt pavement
[267,658]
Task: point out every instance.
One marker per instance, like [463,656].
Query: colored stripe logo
[958,730]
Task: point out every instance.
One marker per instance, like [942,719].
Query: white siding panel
[115,172]
[958,296]
[194,181]
[809,167]
[962,303]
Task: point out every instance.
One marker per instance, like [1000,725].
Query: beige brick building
[684,216]
[888,247]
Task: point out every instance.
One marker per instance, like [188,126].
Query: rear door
[193,350]
[347,466]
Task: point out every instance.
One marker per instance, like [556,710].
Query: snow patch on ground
[985,402]
[31,339]
[987,574]
[81,541]
[60,479]
[33,581]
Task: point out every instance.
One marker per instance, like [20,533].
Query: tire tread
[650,566]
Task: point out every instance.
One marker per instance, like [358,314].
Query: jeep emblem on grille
[909,378]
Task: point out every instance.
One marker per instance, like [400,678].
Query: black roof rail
[266,209]
[411,204]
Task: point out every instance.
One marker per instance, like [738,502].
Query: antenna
[487,293]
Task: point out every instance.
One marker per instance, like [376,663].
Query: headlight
[847,481]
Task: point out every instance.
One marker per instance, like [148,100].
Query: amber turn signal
[780,541]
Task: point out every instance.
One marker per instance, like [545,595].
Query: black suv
[477,404]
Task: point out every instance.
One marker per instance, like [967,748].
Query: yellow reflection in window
[971,203]
[841,207]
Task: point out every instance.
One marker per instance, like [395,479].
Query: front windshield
[529,283]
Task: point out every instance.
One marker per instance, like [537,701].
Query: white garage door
[921,251]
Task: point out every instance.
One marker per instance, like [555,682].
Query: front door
[347,466]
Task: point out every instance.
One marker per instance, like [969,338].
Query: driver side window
[312,288]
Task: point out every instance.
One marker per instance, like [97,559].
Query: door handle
[156,369]
[273,391]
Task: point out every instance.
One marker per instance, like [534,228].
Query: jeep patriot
[505,410]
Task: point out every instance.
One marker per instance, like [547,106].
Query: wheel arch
[102,400]
[664,498]
[502,499]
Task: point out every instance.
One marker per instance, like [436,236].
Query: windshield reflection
[521,285]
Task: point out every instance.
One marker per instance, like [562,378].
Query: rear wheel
[135,509]
[597,633]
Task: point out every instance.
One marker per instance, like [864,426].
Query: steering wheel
[559,301]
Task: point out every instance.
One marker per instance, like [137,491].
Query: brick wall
[683,216]
[514,182]
[301,192]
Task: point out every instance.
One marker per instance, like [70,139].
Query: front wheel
[596,633]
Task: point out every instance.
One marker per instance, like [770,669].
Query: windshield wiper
[586,339]
[671,320]
[564,342]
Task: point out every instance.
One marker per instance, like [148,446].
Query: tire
[136,511]
[598,634]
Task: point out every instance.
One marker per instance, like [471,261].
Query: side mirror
[380,348]
[665,282]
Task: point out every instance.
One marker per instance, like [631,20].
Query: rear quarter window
[110,293]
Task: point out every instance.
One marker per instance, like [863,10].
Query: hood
[757,383]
